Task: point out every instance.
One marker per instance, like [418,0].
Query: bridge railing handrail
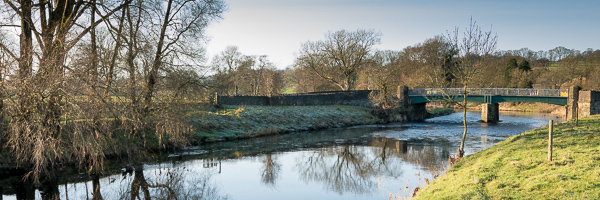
[489,91]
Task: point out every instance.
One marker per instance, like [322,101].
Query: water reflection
[332,164]
[171,183]
[341,169]
[174,182]
[270,171]
[356,169]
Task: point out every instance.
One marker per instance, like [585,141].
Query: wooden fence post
[550,127]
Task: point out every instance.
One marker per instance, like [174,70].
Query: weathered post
[577,115]
[550,127]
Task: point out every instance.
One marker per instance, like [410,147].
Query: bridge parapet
[489,92]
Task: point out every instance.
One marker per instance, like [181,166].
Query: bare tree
[340,56]
[473,49]
[182,21]
[226,65]
[61,58]
[383,70]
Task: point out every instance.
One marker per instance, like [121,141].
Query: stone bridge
[579,103]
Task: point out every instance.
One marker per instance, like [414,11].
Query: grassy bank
[250,121]
[236,122]
[517,168]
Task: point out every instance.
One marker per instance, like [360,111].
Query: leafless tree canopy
[238,74]
[339,57]
[85,73]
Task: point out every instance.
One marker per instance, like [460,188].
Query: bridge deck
[489,95]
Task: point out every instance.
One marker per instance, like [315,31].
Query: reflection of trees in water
[171,183]
[23,188]
[96,195]
[162,183]
[347,168]
[351,168]
[429,157]
[340,168]
[139,183]
[423,153]
[270,170]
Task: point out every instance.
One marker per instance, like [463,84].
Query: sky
[277,28]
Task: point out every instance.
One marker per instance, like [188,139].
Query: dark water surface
[362,162]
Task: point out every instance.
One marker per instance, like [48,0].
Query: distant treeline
[346,60]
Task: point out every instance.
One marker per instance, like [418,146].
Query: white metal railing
[489,91]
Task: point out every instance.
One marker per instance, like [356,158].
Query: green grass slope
[251,121]
[517,168]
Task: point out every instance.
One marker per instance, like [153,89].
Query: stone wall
[355,98]
[244,100]
[410,112]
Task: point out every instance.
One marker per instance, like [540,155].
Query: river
[361,162]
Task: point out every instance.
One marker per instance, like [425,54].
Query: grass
[517,168]
[288,90]
[250,121]
[529,107]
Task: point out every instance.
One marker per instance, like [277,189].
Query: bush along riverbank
[518,168]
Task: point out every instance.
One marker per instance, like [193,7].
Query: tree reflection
[172,183]
[342,169]
[49,189]
[353,168]
[96,195]
[270,170]
[139,183]
[23,188]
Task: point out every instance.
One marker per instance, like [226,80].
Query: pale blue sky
[277,28]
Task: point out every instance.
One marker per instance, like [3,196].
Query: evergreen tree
[512,64]
[524,66]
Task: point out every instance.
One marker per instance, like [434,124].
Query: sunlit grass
[517,168]
[288,90]
[250,121]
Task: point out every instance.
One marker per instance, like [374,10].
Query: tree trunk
[111,66]
[157,61]
[94,47]
[25,58]
[461,150]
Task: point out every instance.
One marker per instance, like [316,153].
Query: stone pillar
[417,112]
[490,112]
[572,102]
[403,96]
[588,103]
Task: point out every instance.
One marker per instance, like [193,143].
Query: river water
[362,162]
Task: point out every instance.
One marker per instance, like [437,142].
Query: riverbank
[203,124]
[238,122]
[517,168]
[531,107]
